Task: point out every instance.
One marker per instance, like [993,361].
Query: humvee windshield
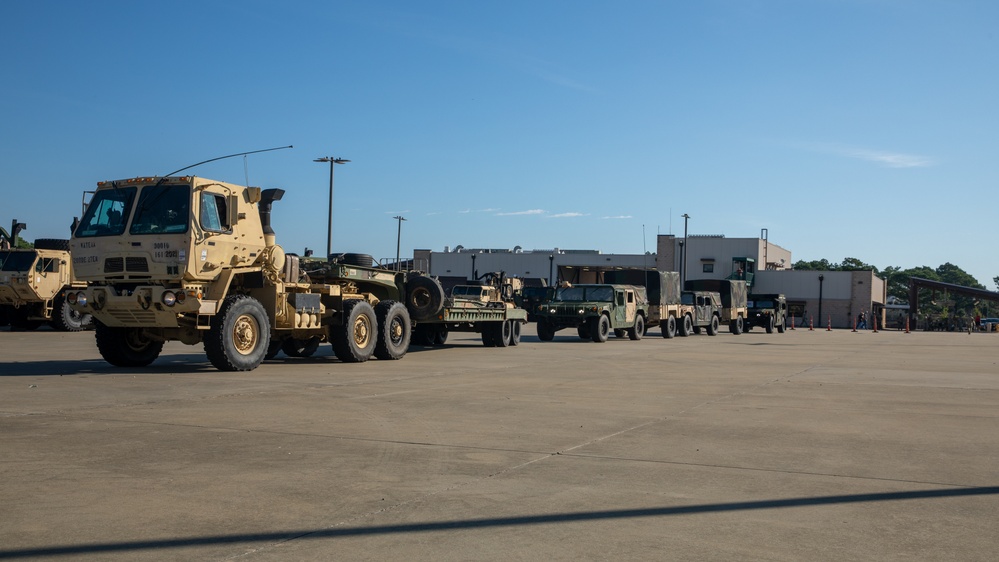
[17,261]
[466,291]
[585,294]
[107,213]
[162,209]
[761,304]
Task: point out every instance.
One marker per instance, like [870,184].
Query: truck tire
[424,297]
[636,332]
[239,336]
[126,347]
[440,335]
[52,244]
[294,347]
[669,327]
[355,340]
[546,330]
[515,332]
[600,328]
[504,333]
[66,319]
[713,326]
[735,326]
[770,324]
[394,330]
[781,325]
[687,327]
[423,334]
[350,258]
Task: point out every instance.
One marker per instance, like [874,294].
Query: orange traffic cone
[907,324]
[810,324]
[792,321]
[874,319]
[829,325]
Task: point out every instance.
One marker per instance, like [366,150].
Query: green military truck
[702,310]
[733,299]
[595,311]
[33,287]
[767,311]
[487,307]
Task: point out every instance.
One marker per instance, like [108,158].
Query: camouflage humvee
[768,311]
[704,310]
[595,310]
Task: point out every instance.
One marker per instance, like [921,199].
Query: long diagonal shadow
[433,526]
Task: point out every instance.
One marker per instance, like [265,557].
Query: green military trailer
[595,311]
[767,311]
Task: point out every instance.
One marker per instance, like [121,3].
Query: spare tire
[363,260]
[52,244]
[424,297]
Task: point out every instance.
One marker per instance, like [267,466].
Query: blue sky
[860,128]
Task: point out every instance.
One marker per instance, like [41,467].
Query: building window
[708,267]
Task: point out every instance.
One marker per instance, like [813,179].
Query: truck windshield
[761,304]
[687,298]
[107,213]
[17,261]
[162,209]
[588,294]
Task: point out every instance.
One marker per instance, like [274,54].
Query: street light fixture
[398,240]
[329,220]
[683,252]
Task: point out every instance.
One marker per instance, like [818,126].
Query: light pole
[683,252]
[821,279]
[398,240]
[329,219]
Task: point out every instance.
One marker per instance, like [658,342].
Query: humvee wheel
[735,326]
[514,332]
[687,327]
[782,325]
[546,331]
[584,331]
[599,328]
[394,330]
[355,340]
[126,347]
[770,324]
[65,319]
[440,335]
[669,328]
[713,326]
[636,332]
[293,347]
[239,336]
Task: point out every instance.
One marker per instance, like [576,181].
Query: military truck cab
[767,311]
[595,311]
[33,286]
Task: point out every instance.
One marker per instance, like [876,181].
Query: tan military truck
[184,258]
[666,308]
[733,300]
[33,287]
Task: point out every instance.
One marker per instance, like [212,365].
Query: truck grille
[133,317]
[117,265]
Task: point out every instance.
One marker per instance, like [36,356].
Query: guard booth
[743,269]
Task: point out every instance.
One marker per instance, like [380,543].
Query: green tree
[853,264]
[814,265]
[996,281]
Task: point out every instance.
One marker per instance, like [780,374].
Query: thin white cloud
[618,217]
[565,215]
[518,213]
[884,158]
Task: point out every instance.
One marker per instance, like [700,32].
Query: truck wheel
[239,336]
[515,332]
[52,244]
[781,325]
[65,319]
[294,347]
[546,330]
[504,333]
[713,326]
[394,330]
[424,297]
[735,326]
[583,330]
[687,327]
[669,328]
[440,335]
[354,341]
[770,324]
[126,347]
[599,328]
[636,332]
[423,334]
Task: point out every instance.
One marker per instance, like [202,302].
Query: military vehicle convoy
[767,311]
[595,310]
[195,260]
[733,299]
[34,283]
[487,307]
[704,310]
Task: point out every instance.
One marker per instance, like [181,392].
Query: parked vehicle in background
[733,299]
[33,287]
[703,310]
[595,310]
[767,311]
[487,307]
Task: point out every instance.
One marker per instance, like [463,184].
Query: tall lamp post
[683,252]
[398,240]
[821,278]
[329,219]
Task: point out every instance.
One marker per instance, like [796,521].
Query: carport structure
[915,283]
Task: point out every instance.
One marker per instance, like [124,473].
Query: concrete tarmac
[808,445]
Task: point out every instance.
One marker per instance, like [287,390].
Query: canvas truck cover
[733,293]
[662,287]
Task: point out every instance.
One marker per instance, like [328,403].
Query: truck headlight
[81,299]
[71,297]
[169,298]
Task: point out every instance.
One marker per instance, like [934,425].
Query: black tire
[394,330]
[687,327]
[713,326]
[354,341]
[735,326]
[294,347]
[504,333]
[239,336]
[424,297]
[66,319]
[515,331]
[126,347]
[546,330]
[782,325]
[440,335]
[636,332]
[600,328]
[52,244]
[669,328]
[423,334]
[488,336]
[770,324]
[583,330]
[349,258]
[620,332]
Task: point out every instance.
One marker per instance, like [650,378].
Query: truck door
[703,309]
[630,308]
[620,308]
